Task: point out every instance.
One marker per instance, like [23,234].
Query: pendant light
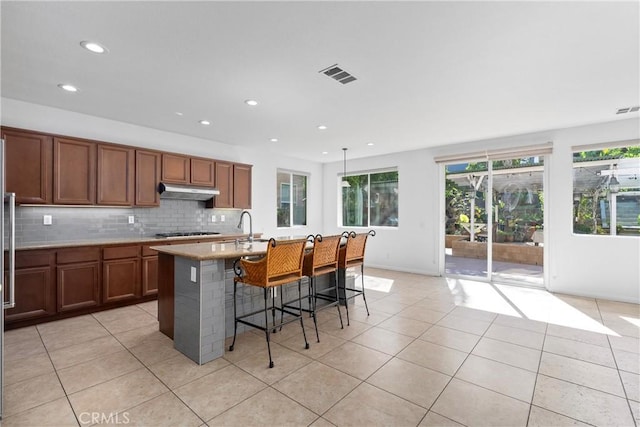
[345,183]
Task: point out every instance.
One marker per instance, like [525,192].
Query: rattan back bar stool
[281,265]
[352,255]
[322,259]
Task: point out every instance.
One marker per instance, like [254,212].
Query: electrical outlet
[221,218]
[213,218]
[47,220]
[131,219]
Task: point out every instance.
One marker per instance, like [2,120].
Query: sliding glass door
[495,219]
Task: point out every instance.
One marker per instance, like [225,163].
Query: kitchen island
[195,295]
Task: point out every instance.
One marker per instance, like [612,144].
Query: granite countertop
[208,251]
[125,240]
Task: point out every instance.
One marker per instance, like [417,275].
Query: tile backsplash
[87,223]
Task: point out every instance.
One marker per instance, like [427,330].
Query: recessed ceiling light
[370,144]
[251,102]
[325,152]
[68,87]
[93,47]
[204,122]
[274,140]
[322,127]
[178,113]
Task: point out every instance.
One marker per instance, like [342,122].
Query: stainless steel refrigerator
[7,243]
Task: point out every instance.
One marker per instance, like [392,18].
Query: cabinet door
[115,175]
[78,285]
[147,178]
[149,275]
[28,166]
[176,169]
[242,186]
[74,172]
[35,294]
[120,279]
[224,183]
[202,172]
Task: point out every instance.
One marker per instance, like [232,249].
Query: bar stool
[281,265]
[352,255]
[322,259]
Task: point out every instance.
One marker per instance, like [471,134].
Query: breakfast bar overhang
[195,291]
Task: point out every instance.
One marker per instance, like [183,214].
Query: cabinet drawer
[121,252]
[147,251]
[28,259]
[68,256]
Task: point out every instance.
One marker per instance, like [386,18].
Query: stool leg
[335,283]
[312,308]
[235,323]
[273,310]
[364,297]
[304,334]
[266,326]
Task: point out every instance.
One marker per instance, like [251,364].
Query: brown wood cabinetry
[29,166]
[148,164]
[35,290]
[202,172]
[241,186]
[74,172]
[149,271]
[115,175]
[78,274]
[176,169]
[120,273]
[224,184]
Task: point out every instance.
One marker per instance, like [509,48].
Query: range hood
[186,192]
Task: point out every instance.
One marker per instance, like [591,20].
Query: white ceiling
[429,73]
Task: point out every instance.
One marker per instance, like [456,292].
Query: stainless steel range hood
[186,192]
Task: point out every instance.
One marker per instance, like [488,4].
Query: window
[606,190]
[292,199]
[370,200]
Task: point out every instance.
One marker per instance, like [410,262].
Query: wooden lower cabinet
[78,285]
[35,294]
[149,275]
[120,280]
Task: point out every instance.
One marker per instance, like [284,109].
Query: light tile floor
[433,352]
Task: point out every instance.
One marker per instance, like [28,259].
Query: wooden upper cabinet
[176,169]
[242,186]
[116,169]
[224,184]
[202,172]
[74,177]
[148,166]
[29,166]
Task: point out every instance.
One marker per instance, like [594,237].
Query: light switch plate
[193,274]
[131,219]
[47,219]
[213,218]
[221,218]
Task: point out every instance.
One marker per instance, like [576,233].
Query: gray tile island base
[195,295]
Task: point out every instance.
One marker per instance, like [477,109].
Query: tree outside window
[291,199]
[370,200]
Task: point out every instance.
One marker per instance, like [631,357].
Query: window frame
[368,173]
[292,198]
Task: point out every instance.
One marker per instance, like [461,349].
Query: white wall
[606,267]
[46,119]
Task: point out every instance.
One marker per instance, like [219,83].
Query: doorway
[495,219]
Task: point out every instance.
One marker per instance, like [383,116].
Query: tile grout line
[535,382]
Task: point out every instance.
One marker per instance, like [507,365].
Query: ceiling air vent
[338,74]
[628,110]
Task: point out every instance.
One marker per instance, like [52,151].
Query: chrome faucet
[250,224]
